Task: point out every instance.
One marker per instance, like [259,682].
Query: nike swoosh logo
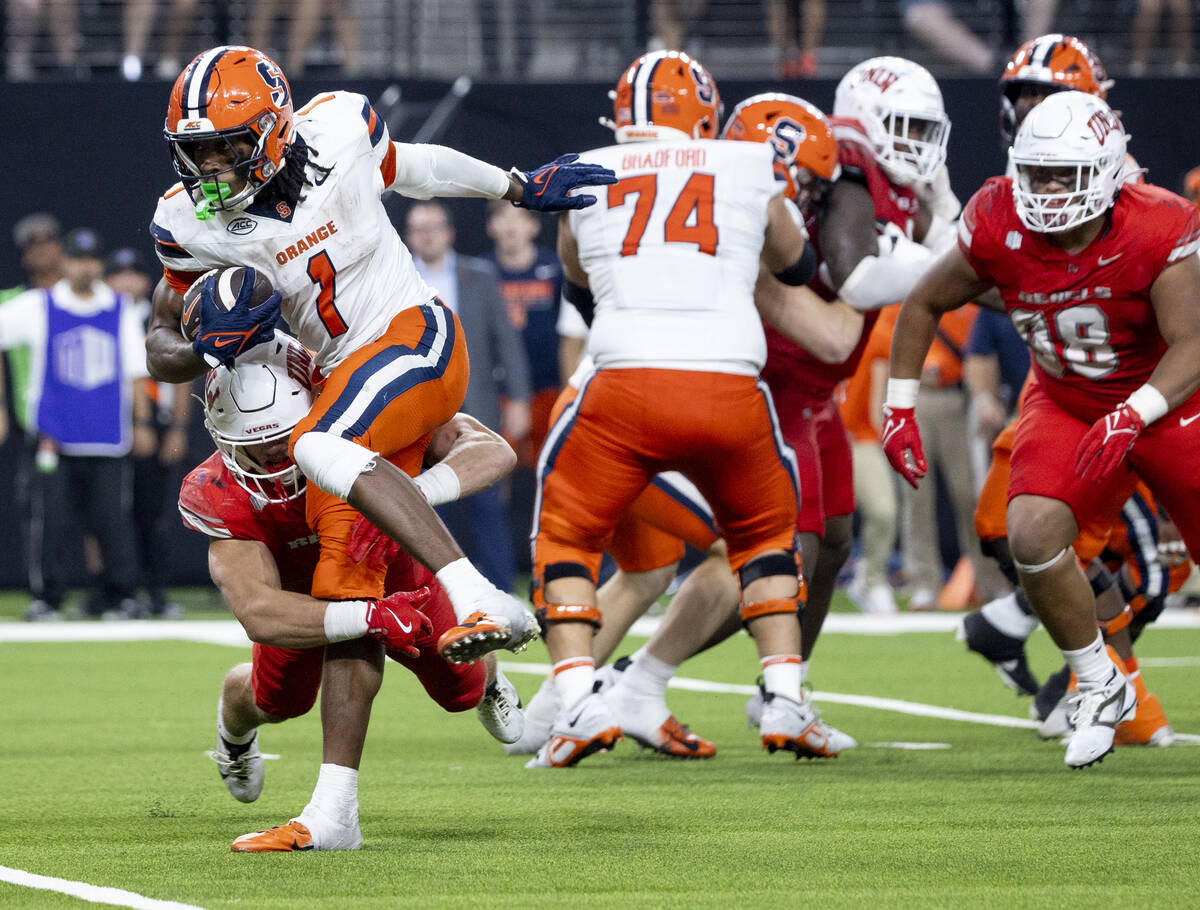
[686,743]
[1102,262]
[225,342]
[404,627]
[187,314]
[1184,421]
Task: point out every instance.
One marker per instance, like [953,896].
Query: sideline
[92,893]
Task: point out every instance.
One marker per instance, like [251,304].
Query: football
[230,282]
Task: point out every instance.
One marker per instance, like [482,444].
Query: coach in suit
[499,391]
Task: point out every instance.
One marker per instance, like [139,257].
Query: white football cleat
[838,740]
[1099,707]
[1057,723]
[794,726]
[242,771]
[539,721]
[610,674]
[501,621]
[586,728]
[500,710]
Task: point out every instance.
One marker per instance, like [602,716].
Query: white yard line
[1169,661]
[92,893]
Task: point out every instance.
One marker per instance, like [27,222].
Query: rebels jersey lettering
[671,253]
[1086,317]
[335,258]
[789,366]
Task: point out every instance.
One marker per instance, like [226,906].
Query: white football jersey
[336,258]
[671,252]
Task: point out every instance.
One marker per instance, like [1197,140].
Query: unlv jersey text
[1072,296]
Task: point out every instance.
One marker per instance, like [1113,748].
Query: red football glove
[370,546]
[398,622]
[902,444]
[1107,443]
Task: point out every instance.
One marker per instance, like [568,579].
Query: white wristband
[439,484]
[1149,403]
[345,620]
[902,393]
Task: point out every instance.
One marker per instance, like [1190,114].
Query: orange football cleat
[1149,727]
[281,839]
[508,626]
[677,740]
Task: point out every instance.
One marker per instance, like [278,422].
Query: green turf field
[106,782]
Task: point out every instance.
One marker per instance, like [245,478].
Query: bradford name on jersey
[1086,317]
[671,252]
[335,257]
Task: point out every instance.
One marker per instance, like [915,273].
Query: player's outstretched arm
[248,578]
[476,456]
[827,330]
[169,356]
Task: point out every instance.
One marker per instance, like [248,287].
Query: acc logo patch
[242,225]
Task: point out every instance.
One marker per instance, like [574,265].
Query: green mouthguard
[214,195]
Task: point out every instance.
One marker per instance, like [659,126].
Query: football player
[248,498]
[296,195]
[668,263]
[1099,278]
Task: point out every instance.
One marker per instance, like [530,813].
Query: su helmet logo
[272,75]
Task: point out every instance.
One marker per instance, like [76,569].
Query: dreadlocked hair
[288,185]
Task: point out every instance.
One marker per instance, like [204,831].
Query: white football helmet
[900,106]
[1067,130]
[260,400]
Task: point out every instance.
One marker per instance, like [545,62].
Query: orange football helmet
[665,95]
[1053,63]
[800,136]
[225,94]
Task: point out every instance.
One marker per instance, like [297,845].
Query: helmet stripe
[195,89]
[1046,51]
[643,87]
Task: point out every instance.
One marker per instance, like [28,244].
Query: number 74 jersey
[1086,317]
[335,257]
[671,252]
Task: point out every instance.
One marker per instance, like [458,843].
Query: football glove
[902,444]
[224,334]
[398,622]
[369,546]
[546,188]
[1106,444]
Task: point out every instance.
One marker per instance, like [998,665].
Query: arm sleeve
[425,171]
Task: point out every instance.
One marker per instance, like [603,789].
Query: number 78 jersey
[1087,316]
[671,253]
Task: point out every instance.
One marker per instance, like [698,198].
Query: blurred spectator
[1145,28]
[499,390]
[137,20]
[25,17]
[994,368]
[1037,18]
[874,480]
[933,24]
[670,21]
[942,415]
[788,20]
[87,348]
[304,17]
[159,445]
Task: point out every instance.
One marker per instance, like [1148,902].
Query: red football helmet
[665,95]
[798,133]
[238,96]
[1051,63]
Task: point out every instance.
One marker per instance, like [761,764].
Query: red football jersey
[212,502]
[1086,317]
[790,366]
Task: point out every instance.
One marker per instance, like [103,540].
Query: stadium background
[88,147]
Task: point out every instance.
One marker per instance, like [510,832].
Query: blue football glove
[224,334]
[545,189]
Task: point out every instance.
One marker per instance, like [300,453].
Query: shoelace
[237,767]
[1088,702]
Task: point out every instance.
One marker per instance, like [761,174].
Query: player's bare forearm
[848,229]
[784,240]
[828,331]
[246,575]
[949,283]
[1173,295]
[169,356]
[478,456]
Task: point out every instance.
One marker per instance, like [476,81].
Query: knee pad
[1120,621]
[331,462]
[1038,568]
[552,613]
[766,566]
[997,549]
[767,607]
